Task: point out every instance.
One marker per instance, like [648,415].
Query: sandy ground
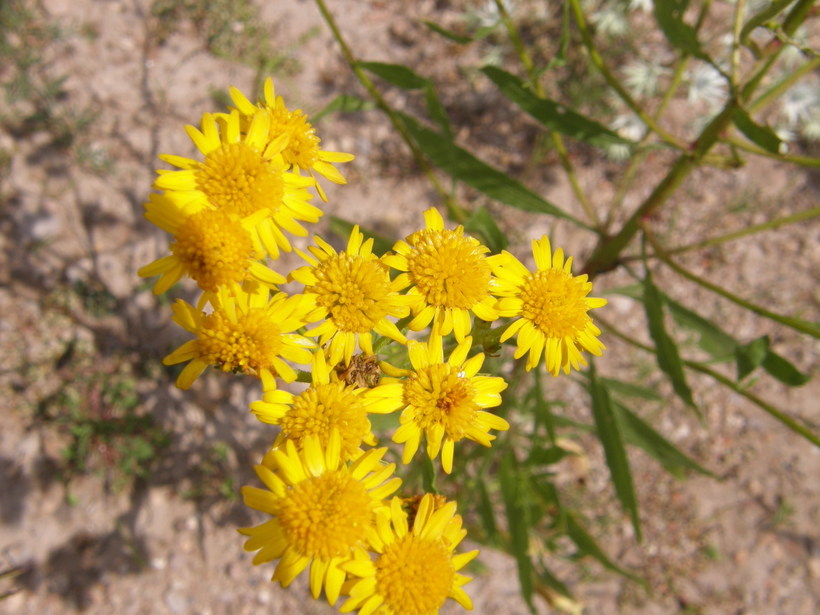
[75,316]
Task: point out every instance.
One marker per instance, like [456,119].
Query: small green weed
[212,479]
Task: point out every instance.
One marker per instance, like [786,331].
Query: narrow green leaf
[629,389]
[397,74]
[667,352]
[713,339]
[763,136]
[638,432]
[550,580]
[465,167]
[783,370]
[519,522]
[750,356]
[485,511]
[609,433]
[546,456]
[669,15]
[428,475]
[342,228]
[482,223]
[588,546]
[344,103]
[552,115]
[448,34]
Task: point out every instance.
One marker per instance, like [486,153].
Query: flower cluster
[328,492]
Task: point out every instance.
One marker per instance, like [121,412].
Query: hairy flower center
[353,290]
[214,248]
[244,346]
[236,178]
[448,269]
[439,395]
[555,302]
[303,145]
[414,575]
[324,516]
[323,407]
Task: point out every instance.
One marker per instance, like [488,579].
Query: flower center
[441,396]
[324,516]
[236,178]
[303,144]
[353,290]
[414,576]
[554,301]
[246,346]
[323,407]
[214,248]
[448,269]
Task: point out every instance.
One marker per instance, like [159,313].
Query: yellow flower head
[247,332]
[353,293]
[551,306]
[415,569]
[321,509]
[242,174]
[212,247]
[443,400]
[450,276]
[327,405]
[301,150]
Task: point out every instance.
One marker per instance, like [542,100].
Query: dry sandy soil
[76,320]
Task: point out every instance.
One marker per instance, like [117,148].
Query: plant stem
[794,323]
[614,83]
[557,139]
[783,85]
[788,421]
[457,211]
[745,232]
[805,161]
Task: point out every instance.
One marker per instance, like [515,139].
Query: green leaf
[638,432]
[546,456]
[482,223]
[344,103]
[550,580]
[465,167]
[667,352]
[519,523]
[763,136]
[783,370]
[552,115]
[448,34]
[587,546]
[713,339]
[609,433]
[669,15]
[342,228]
[750,356]
[629,389]
[397,74]
[485,511]
[428,475]
[405,78]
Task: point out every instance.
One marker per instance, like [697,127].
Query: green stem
[779,88]
[794,323]
[750,230]
[557,139]
[805,161]
[788,421]
[615,84]
[740,9]
[606,254]
[381,103]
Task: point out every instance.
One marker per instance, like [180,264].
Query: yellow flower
[415,569]
[443,400]
[321,509]
[551,307]
[450,276]
[242,174]
[247,332]
[327,405]
[212,247]
[354,295]
[301,149]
